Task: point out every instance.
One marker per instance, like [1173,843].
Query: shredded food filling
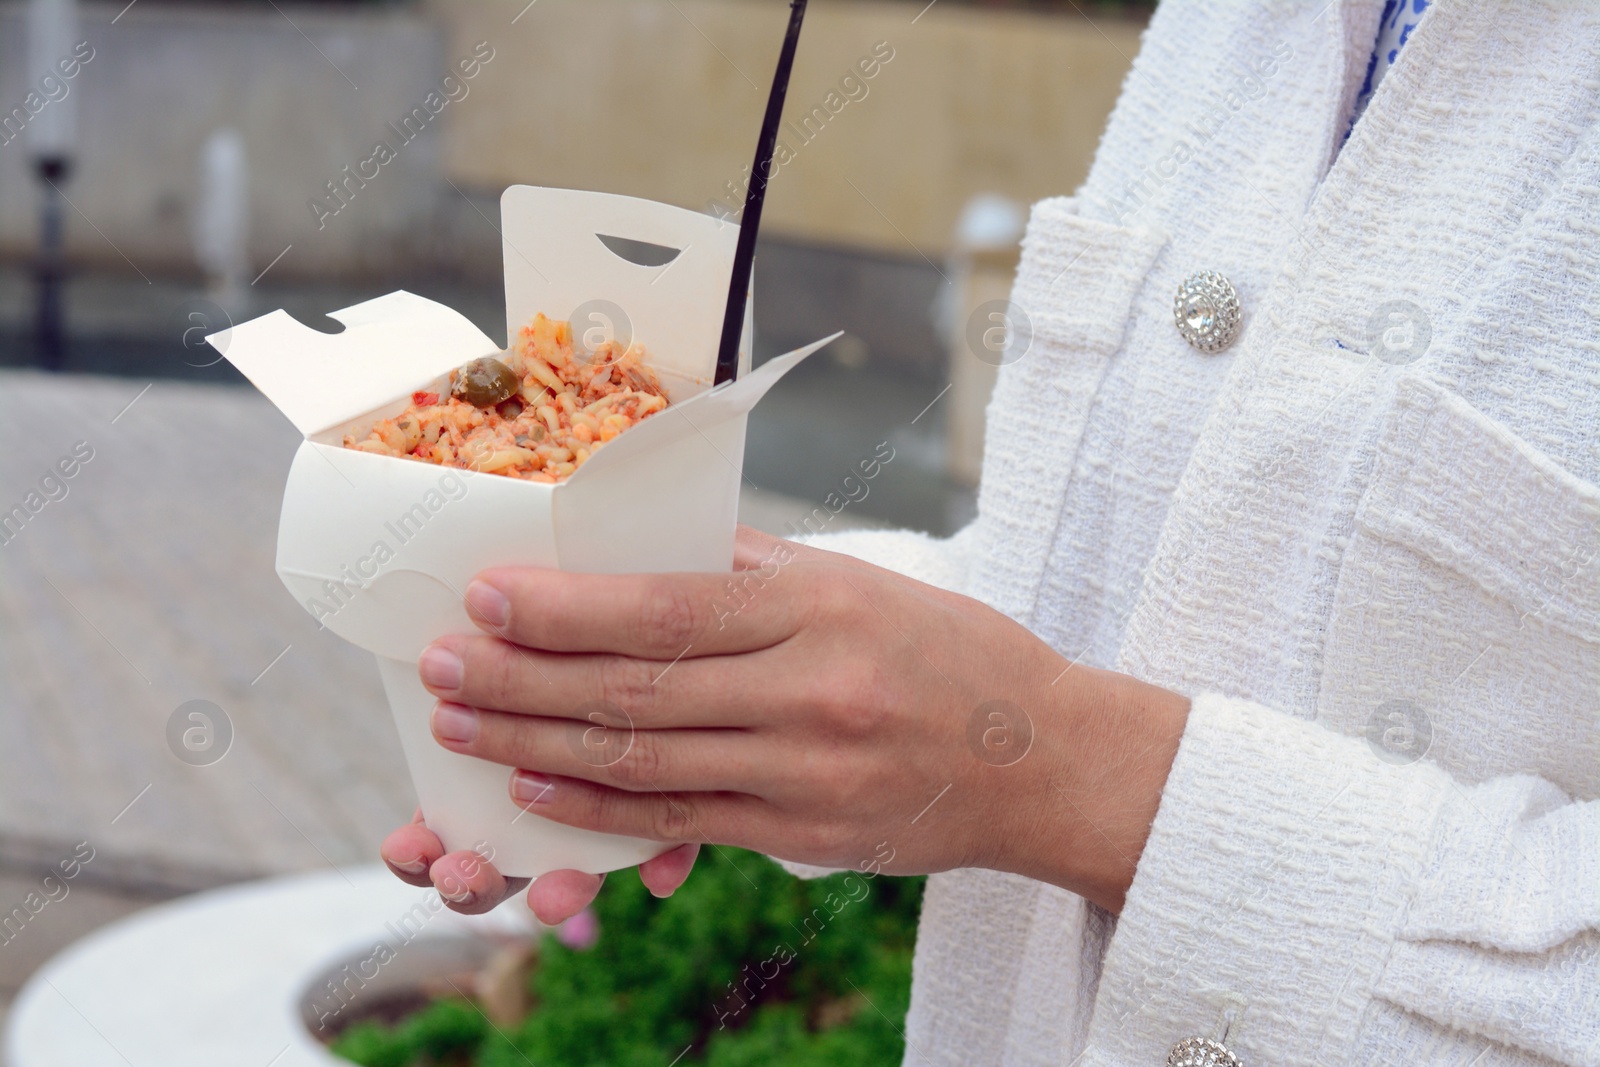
[565,408]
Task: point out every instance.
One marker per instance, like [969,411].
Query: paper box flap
[557,262]
[693,416]
[388,347]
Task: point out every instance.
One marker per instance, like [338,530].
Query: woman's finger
[410,851]
[649,616]
[558,896]
[737,819]
[666,872]
[470,884]
[603,750]
[485,672]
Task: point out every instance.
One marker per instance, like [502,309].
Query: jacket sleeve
[1347,909]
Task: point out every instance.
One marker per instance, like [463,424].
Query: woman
[1317,779]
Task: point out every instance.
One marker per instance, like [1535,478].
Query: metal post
[52,32]
[50,270]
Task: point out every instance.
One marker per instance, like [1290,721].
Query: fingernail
[416,866]
[453,722]
[530,788]
[441,668]
[465,896]
[488,603]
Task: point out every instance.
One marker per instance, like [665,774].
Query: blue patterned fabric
[1400,18]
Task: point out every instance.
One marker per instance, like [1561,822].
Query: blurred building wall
[663,99]
[656,98]
[163,78]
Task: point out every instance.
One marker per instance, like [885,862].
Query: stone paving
[149,584]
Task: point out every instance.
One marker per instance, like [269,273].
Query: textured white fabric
[1317,545]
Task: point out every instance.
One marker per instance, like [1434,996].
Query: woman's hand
[808,706]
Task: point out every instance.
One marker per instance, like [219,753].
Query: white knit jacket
[1320,546]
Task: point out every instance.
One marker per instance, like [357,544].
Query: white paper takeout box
[380,549]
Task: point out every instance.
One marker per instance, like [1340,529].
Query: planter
[744,960]
[243,974]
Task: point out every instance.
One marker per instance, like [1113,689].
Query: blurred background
[170,168]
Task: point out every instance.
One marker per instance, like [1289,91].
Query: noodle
[564,411]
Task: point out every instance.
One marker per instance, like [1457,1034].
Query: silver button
[1206,310]
[1201,1052]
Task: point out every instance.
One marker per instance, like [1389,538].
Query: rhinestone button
[1201,1052]
[1206,310]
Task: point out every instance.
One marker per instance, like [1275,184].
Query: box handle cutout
[323,324]
[640,253]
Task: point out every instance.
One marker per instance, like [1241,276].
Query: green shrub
[743,966]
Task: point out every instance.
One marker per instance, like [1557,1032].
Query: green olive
[485,382]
